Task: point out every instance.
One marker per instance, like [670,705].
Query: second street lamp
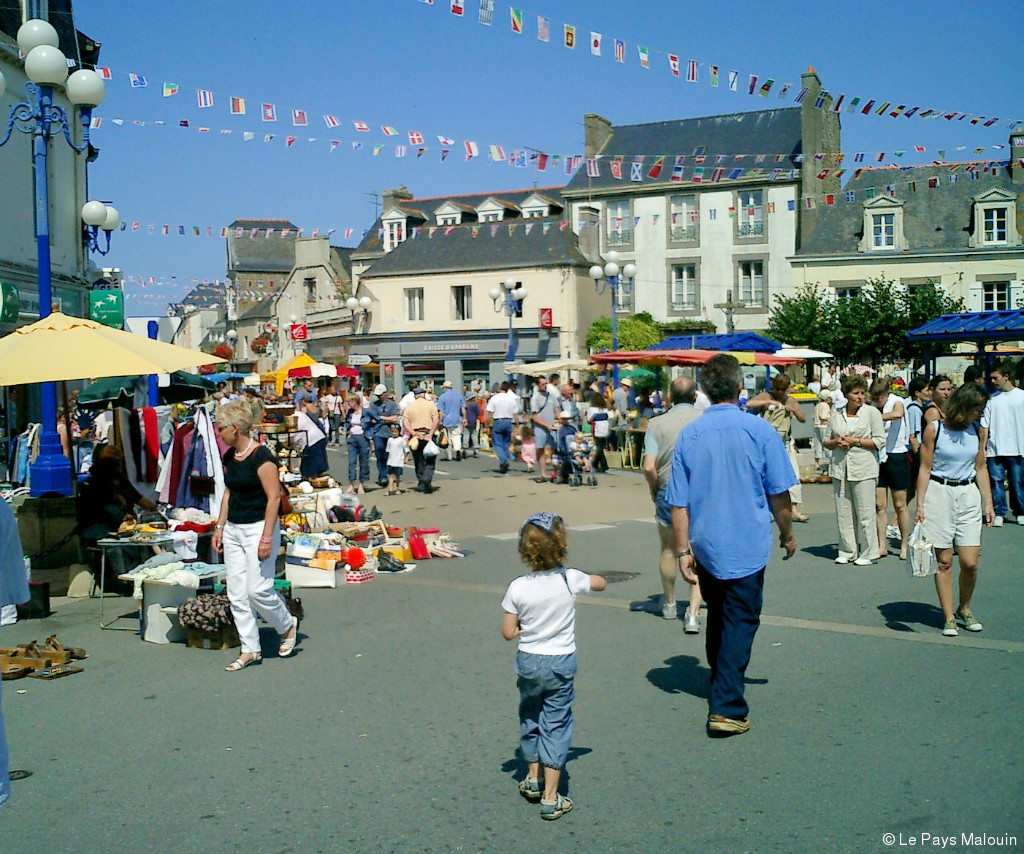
[608,278]
[509,301]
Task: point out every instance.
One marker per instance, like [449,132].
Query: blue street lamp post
[509,301]
[608,277]
[46,67]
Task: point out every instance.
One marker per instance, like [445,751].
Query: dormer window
[995,219]
[490,217]
[494,210]
[537,207]
[447,220]
[396,233]
[883,226]
[394,225]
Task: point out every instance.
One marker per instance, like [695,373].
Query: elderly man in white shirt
[1004,416]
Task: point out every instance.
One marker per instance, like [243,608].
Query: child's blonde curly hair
[542,542]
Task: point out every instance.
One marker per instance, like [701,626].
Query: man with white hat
[385,411]
[452,407]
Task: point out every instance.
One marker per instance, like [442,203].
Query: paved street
[394,727]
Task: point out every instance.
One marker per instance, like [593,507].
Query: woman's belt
[945,481]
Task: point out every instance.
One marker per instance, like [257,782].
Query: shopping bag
[921,554]
[431,449]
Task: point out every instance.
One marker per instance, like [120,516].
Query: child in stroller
[572,456]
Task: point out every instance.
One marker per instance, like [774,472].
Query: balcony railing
[619,237]
[683,232]
[750,229]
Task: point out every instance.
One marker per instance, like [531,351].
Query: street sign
[10,304]
[356,360]
[299,331]
[107,307]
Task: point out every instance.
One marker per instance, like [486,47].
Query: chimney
[393,198]
[820,134]
[1017,156]
[589,218]
[597,131]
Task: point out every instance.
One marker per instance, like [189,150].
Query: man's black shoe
[503,468]
[427,488]
[420,487]
[458,456]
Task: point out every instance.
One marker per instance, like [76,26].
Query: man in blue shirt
[452,407]
[730,477]
[307,392]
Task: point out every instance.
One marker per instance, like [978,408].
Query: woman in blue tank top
[952,488]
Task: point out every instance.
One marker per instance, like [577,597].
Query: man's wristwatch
[684,553]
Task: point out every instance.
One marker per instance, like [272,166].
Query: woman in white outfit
[855,435]
[954,496]
[249,534]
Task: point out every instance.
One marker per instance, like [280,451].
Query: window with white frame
[534,213]
[395,233]
[619,224]
[994,225]
[883,231]
[462,302]
[995,219]
[490,217]
[750,213]
[683,217]
[995,296]
[750,283]
[848,292]
[448,220]
[414,303]
[685,289]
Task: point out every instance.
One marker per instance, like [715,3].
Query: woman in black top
[249,533]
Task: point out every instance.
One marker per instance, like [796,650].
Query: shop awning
[981,327]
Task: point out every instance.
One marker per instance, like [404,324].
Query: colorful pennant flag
[543,29]
[734,80]
[643,56]
[136,81]
[595,43]
[458,7]
[415,138]
[486,12]
[104,72]
[237,106]
[388,131]
[691,71]
[269,113]
[361,126]
[170,89]
[204,98]
[569,36]
[620,51]
[673,64]
[331,121]
[713,70]
[517,21]
[299,119]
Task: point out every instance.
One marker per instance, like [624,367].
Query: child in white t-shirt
[395,448]
[540,611]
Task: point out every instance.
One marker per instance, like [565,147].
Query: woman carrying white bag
[953,496]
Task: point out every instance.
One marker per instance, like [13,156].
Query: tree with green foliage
[870,326]
[637,332]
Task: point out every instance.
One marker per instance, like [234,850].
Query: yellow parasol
[302,360]
[60,348]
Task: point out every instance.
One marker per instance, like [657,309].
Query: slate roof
[209,295]
[261,254]
[460,251]
[372,247]
[259,310]
[761,132]
[934,220]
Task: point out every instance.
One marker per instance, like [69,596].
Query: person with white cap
[385,412]
[452,406]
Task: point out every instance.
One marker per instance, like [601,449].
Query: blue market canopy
[224,376]
[733,341]
[980,327]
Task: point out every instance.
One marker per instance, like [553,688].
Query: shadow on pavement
[898,614]
[517,766]
[683,674]
[650,605]
[828,552]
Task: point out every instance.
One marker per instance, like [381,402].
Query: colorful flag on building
[616,169]
[543,29]
[713,71]
[136,80]
[331,121]
[595,43]
[691,71]
[752,84]
[299,119]
[486,12]
[593,168]
[387,130]
[645,61]
[361,126]
[415,138]
[399,151]
[497,153]
[766,87]
[204,98]
[517,21]
[288,140]
[620,51]
[458,7]
[471,149]
[734,81]
[636,170]
[269,113]
[170,89]
[237,106]
[673,64]
[655,169]
[104,72]
[569,36]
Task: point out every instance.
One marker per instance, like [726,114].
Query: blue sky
[417,67]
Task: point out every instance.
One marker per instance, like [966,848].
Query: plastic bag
[431,449]
[921,554]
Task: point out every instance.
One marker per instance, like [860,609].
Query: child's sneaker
[550,810]
[531,789]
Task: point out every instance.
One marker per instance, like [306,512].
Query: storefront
[461,357]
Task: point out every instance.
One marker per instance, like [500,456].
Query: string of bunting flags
[693,70]
[545,161]
[890,187]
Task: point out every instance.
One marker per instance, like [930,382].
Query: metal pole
[614,282]
[154,390]
[510,307]
[51,472]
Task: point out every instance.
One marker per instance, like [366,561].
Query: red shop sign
[298,331]
[546,319]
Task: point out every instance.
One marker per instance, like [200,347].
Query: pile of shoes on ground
[49,661]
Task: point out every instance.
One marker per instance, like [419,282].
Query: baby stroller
[567,465]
